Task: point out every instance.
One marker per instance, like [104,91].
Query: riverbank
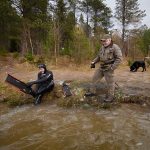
[132,87]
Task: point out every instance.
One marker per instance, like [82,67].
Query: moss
[137,99]
[14,102]
[13,97]
[119,95]
[69,102]
[17,99]
[77,100]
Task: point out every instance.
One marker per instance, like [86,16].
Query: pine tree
[9,25]
[73,7]
[65,19]
[85,8]
[144,42]
[60,19]
[128,12]
[101,15]
[34,19]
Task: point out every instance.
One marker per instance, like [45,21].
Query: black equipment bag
[18,84]
[66,90]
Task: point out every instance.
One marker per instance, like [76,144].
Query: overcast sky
[144,5]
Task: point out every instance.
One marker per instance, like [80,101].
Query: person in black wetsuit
[44,83]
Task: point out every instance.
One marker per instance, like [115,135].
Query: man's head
[106,40]
[42,68]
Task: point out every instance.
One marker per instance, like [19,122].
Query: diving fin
[19,84]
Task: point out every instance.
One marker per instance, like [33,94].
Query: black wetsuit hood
[43,66]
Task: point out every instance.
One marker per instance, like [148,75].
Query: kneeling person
[44,83]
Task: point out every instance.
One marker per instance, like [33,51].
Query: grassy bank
[13,97]
[26,70]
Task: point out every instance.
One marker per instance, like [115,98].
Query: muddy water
[52,128]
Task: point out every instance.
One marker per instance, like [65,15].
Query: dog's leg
[144,68]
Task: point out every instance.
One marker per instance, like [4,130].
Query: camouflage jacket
[110,56]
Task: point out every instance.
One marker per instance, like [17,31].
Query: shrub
[130,62]
[29,57]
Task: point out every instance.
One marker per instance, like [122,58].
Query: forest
[73,28]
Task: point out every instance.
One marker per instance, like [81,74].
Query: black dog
[135,66]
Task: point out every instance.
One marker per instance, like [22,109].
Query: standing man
[109,56]
[44,83]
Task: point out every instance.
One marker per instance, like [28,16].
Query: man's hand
[92,65]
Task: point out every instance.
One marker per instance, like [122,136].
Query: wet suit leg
[32,92]
[38,99]
[40,92]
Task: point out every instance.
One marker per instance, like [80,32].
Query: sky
[144,5]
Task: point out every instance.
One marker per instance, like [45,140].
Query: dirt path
[134,82]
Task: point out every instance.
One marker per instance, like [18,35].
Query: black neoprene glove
[30,83]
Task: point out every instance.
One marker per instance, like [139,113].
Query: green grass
[3,52]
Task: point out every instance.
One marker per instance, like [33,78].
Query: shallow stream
[48,127]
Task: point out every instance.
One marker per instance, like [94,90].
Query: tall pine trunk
[123,26]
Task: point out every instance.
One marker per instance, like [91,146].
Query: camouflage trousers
[109,77]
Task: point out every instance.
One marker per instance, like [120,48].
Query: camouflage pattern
[109,58]
[109,77]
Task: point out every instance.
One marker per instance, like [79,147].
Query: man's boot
[89,93]
[109,98]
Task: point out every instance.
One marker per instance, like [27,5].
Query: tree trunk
[24,43]
[95,22]
[123,26]
[30,41]
[87,21]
